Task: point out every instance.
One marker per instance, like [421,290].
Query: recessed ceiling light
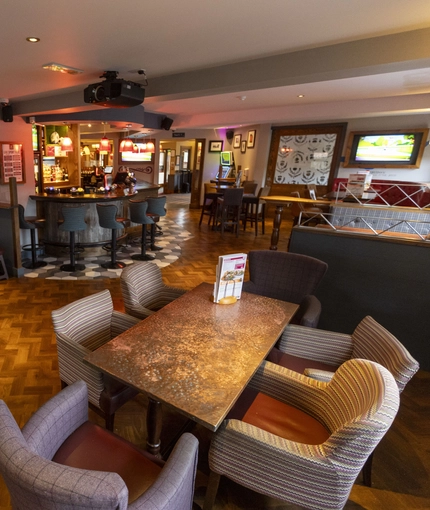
[301,95]
[32,39]
[52,66]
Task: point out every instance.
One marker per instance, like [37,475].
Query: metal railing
[343,191]
[406,228]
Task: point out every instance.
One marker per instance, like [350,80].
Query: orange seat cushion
[278,418]
[94,448]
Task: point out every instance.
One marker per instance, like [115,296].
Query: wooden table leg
[276,227]
[153,426]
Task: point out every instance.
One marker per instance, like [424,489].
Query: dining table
[194,355]
[280,202]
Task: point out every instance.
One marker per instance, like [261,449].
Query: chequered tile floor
[170,241]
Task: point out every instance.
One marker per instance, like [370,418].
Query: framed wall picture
[215,145]
[243,147]
[303,155]
[250,143]
[236,142]
[11,162]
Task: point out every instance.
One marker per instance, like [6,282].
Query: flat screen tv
[386,149]
[226,158]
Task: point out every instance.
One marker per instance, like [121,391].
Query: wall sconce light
[286,150]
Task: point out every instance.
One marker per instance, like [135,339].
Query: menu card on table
[230,273]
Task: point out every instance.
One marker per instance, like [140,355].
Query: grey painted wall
[388,280]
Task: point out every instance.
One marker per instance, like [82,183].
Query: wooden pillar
[15,222]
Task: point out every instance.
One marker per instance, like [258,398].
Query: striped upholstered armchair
[80,328]
[143,290]
[304,441]
[62,461]
[318,353]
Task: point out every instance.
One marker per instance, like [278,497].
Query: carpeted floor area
[170,241]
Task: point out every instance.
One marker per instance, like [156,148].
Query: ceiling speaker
[166,123]
[7,113]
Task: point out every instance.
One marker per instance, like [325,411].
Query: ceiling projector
[114,92]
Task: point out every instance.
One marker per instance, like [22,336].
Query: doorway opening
[181,167]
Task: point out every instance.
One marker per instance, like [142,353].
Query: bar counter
[49,207]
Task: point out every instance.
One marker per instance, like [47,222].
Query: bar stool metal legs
[108,219]
[74,220]
[31,224]
[138,215]
[156,209]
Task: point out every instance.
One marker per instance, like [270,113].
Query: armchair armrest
[174,487]
[140,312]
[319,375]
[175,291]
[73,368]
[309,311]
[121,322]
[64,413]
[316,344]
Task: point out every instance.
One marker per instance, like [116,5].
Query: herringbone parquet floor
[29,376]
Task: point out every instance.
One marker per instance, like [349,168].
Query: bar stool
[31,224]
[74,220]
[229,208]
[209,202]
[255,209]
[138,214]
[107,214]
[3,275]
[156,209]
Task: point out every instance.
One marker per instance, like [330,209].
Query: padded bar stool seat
[108,219]
[31,224]
[3,275]
[74,221]
[138,210]
[156,209]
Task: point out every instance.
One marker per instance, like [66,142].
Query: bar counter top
[117,194]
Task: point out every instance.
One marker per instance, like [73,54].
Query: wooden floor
[29,376]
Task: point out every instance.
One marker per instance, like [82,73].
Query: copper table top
[195,355]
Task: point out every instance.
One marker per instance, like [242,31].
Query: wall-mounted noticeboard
[11,162]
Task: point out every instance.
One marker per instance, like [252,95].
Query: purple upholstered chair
[289,277]
[62,461]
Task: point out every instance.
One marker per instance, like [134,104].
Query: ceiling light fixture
[32,39]
[150,147]
[104,142]
[127,144]
[301,95]
[52,66]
